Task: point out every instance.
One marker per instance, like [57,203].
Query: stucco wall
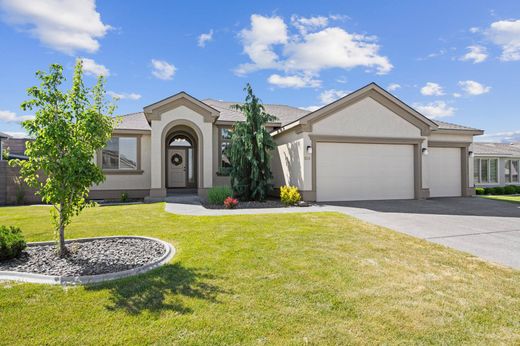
[289,161]
[366,118]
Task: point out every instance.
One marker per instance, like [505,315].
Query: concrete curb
[89,279]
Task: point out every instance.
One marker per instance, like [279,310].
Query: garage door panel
[351,171]
[445,177]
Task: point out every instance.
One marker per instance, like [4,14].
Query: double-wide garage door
[353,171]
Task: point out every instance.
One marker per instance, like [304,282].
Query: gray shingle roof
[284,114]
[133,121]
[450,126]
[4,135]
[499,149]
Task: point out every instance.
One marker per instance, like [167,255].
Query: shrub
[124,197]
[509,190]
[218,194]
[488,190]
[230,203]
[12,242]
[289,195]
[517,188]
[480,191]
[499,190]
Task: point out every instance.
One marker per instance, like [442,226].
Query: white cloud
[11,117]
[66,26]
[506,34]
[204,38]
[124,96]
[476,53]
[259,40]
[162,69]
[474,30]
[393,87]
[305,25]
[311,108]
[269,45]
[90,67]
[502,137]
[456,95]
[436,109]
[432,89]
[335,48]
[471,87]
[326,97]
[294,81]
[331,95]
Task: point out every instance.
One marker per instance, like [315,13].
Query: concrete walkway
[485,228]
[190,205]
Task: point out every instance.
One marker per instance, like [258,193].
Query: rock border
[89,279]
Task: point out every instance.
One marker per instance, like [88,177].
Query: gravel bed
[98,256]
[249,205]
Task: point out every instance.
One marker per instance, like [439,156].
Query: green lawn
[284,279]
[512,199]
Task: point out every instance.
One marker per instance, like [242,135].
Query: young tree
[249,152]
[68,128]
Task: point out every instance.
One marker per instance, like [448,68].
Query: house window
[225,139]
[486,171]
[511,171]
[120,153]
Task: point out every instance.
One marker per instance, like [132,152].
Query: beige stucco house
[366,145]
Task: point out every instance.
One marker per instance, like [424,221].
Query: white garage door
[351,172]
[445,172]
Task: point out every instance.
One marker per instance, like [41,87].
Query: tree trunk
[62,248]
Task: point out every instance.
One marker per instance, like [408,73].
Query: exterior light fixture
[309,149]
[425,151]
[471,154]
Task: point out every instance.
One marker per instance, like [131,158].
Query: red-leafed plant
[230,202]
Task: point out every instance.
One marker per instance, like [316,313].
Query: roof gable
[378,94]
[154,111]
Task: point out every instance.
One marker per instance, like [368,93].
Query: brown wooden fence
[12,190]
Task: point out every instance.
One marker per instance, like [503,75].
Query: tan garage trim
[416,142]
[464,162]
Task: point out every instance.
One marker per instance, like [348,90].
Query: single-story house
[496,164]
[367,145]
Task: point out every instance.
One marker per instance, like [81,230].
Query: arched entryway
[181,158]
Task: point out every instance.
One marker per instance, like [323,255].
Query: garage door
[351,172]
[444,172]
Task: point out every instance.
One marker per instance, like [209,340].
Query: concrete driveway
[485,228]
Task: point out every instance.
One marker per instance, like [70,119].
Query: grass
[506,198]
[257,279]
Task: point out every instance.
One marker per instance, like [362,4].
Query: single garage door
[445,174]
[353,172]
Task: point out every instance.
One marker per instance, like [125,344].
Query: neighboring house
[3,137]
[496,164]
[366,145]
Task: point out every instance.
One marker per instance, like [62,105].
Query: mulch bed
[270,203]
[97,256]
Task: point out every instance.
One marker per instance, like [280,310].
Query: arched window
[181,141]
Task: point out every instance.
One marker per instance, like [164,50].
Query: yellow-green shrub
[289,195]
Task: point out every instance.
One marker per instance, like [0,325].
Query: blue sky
[457,61]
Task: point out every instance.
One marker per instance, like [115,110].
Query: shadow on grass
[163,289]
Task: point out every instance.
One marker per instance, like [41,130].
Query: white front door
[176,167]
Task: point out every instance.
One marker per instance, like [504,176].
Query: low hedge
[12,242]
[499,190]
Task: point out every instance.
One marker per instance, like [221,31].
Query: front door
[177,167]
